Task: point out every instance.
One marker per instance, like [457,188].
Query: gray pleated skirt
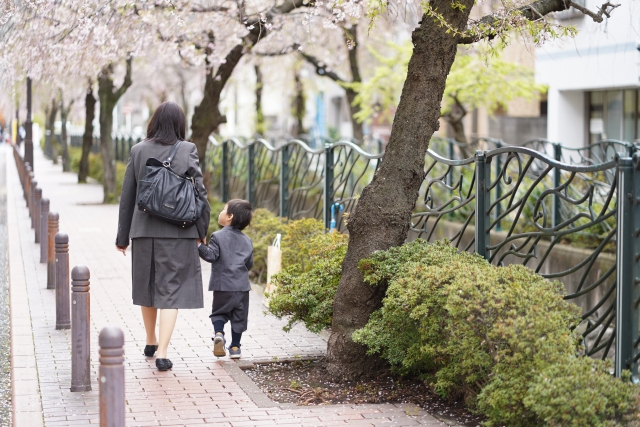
[166,273]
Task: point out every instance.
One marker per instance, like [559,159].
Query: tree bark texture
[109,96]
[207,116]
[351,39]
[64,142]
[299,107]
[52,113]
[382,216]
[87,138]
[260,126]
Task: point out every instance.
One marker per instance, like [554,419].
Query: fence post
[115,141]
[284,181]
[556,218]
[498,169]
[626,328]
[32,201]
[251,174]
[44,227]
[111,374]
[80,343]
[52,226]
[483,202]
[63,320]
[328,184]
[36,217]
[225,172]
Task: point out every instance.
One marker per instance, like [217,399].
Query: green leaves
[499,337]
[305,292]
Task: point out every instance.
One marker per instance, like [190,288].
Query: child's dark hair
[241,211]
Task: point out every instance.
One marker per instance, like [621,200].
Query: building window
[613,114]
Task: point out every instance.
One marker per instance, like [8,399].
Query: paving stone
[199,390]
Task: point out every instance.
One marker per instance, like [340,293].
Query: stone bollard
[80,346]
[32,201]
[62,281]
[36,217]
[51,250]
[111,377]
[44,229]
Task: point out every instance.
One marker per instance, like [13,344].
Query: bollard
[36,216]
[28,191]
[44,229]
[62,281]
[25,183]
[111,376]
[32,201]
[51,249]
[80,346]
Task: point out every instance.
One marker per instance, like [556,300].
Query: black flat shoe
[163,364]
[150,350]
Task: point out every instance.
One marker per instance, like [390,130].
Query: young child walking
[230,253]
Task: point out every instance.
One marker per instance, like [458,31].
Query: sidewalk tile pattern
[198,391]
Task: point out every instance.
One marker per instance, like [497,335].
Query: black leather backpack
[167,195]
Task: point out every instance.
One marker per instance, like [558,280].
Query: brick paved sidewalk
[200,389]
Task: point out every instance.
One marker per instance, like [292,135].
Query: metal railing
[532,204]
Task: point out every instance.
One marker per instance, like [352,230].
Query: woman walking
[166,265]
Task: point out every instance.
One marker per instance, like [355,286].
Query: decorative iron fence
[510,204]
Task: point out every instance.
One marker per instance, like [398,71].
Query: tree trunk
[87,138]
[358,133]
[351,39]
[107,148]
[260,127]
[299,104]
[207,116]
[64,114]
[51,120]
[108,99]
[382,216]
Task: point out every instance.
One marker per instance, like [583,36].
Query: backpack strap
[172,153]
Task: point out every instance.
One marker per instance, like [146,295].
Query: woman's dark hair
[241,211]
[168,124]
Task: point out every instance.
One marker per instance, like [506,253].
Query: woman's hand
[122,249]
[203,241]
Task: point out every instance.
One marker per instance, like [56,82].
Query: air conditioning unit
[571,13]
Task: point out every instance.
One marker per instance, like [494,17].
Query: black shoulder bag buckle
[167,195]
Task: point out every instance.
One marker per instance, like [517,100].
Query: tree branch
[597,17]
[321,70]
[533,12]
[127,81]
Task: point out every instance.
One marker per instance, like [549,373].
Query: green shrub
[96,170]
[216,207]
[263,229]
[296,241]
[485,334]
[582,392]
[307,296]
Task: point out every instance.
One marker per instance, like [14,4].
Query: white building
[593,78]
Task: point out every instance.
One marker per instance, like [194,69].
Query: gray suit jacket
[133,222]
[230,253]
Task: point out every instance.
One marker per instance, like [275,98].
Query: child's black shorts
[233,306]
